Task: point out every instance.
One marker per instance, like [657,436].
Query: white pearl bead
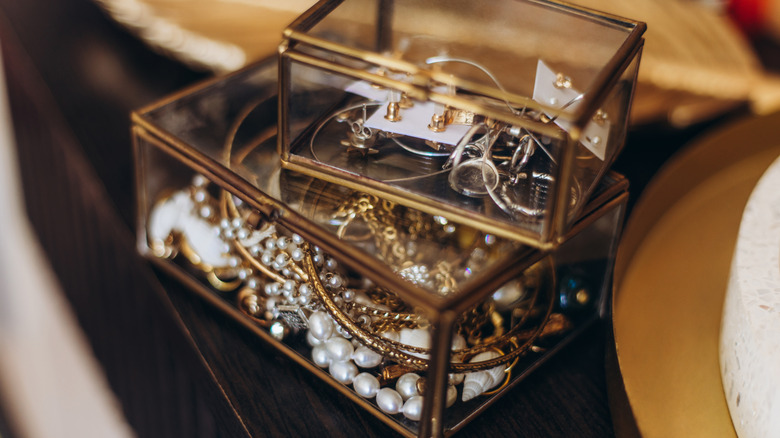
[407,385]
[319,354]
[456,378]
[311,340]
[267,258]
[237,222]
[320,325]
[365,358]
[281,243]
[365,385]
[413,408]
[304,289]
[335,281]
[242,234]
[297,254]
[339,348]
[452,395]
[389,401]
[297,239]
[343,371]
[272,288]
[289,285]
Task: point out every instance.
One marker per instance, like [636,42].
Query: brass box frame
[149,134]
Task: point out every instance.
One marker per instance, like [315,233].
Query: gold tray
[670,281]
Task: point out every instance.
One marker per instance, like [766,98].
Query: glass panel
[529,317]
[205,118]
[606,129]
[342,324]
[505,38]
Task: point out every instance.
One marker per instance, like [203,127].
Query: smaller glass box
[369,295]
[503,115]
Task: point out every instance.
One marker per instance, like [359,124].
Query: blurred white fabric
[50,383]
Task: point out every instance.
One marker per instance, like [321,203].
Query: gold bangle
[395,351]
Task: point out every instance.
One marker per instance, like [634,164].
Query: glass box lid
[479,47]
[504,115]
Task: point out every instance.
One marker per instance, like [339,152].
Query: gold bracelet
[396,351]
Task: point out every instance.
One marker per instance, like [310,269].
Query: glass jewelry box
[422,320]
[502,115]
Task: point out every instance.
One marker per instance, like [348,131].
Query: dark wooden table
[178,367]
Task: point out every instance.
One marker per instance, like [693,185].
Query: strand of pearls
[345,359]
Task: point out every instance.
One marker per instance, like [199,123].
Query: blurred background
[94,343]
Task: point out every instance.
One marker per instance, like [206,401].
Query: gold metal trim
[196,87]
[312,16]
